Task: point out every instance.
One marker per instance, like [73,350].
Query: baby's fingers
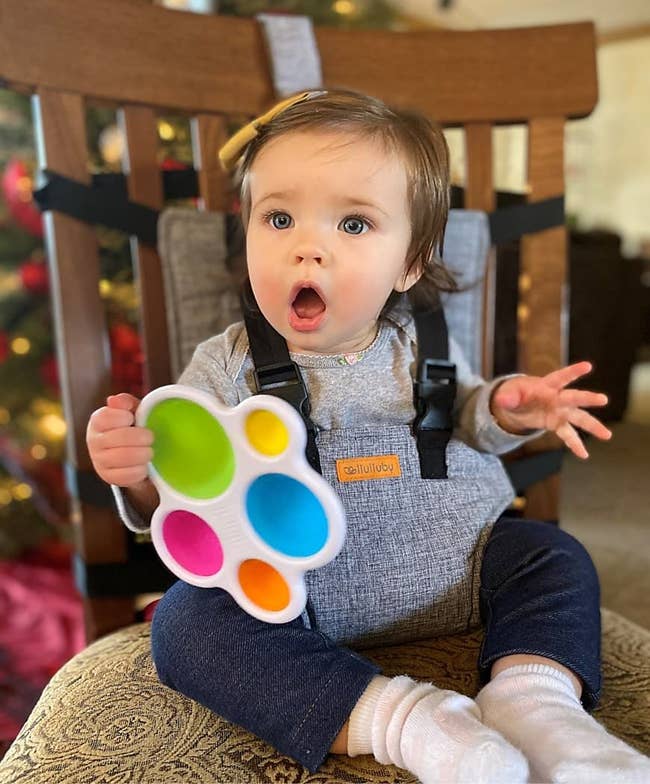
[589,424]
[106,419]
[567,375]
[126,457]
[123,400]
[125,437]
[125,477]
[568,434]
[580,398]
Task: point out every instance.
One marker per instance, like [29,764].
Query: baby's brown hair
[420,144]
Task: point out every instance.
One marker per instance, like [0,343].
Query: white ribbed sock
[536,708]
[434,733]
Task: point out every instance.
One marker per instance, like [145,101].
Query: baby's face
[327,238]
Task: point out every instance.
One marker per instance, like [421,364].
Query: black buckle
[284,380]
[434,390]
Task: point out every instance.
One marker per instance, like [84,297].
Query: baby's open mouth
[308,307]
[308,303]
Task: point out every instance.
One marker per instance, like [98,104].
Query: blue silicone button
[286,515]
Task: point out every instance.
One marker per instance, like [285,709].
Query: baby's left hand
[532,403]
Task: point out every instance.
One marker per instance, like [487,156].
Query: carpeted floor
[606,505]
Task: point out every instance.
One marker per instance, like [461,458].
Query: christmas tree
[33,503]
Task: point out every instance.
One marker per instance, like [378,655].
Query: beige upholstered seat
[105,717]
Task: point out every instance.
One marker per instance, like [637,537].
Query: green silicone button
[191,452]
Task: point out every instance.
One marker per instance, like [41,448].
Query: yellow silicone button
[264,585]
[267,432]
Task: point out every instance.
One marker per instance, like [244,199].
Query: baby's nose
[310,245]
[310,252]
[309,257]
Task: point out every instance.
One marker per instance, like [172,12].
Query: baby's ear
[408,278]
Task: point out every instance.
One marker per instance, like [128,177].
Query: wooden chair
[145,60]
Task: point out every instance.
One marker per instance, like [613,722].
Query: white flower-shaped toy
[240,507]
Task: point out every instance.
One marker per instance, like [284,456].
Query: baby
[344,203]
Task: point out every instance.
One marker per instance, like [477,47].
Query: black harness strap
[434,391]
[87,486]
[141,573]
[275,372]
[106,202]
[511,223]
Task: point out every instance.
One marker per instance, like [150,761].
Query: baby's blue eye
[280,220]
[353,225]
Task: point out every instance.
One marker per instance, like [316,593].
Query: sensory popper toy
[240,507]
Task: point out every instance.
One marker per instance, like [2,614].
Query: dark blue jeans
[295,688]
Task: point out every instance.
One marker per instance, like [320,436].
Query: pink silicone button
[192,543]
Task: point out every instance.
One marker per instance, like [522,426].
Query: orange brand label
[356,469]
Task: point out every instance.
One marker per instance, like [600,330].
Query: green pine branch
[16,245]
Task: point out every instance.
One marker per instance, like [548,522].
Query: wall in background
[607,154]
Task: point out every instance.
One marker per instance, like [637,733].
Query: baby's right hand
[119,450]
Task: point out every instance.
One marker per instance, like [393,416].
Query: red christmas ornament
[4,346]
[34,277]
[171,164]
[124,339]
[48,475]
[127,359]
[17,190]
[49,371]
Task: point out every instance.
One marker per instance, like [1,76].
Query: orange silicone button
[264,585]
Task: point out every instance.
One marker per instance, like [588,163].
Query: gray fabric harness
[410,565]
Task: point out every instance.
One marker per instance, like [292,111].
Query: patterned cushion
[465,253]
[105,718]
[200,291]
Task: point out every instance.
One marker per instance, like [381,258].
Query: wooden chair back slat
[542,314]
[219,63]
[479,185]
[144,186]
[209,133]
[74,259]
[497,76]
[480,195]
[80,326]
[105,614]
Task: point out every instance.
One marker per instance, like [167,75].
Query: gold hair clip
[232,149]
